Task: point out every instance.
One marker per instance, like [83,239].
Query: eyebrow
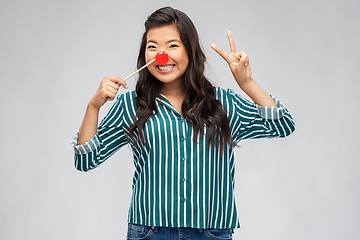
[173,40]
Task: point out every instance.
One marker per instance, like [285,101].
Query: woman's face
[166,39]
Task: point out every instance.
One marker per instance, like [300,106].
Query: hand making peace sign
[238,61]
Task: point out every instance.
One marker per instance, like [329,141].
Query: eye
[173,46]
[151,46]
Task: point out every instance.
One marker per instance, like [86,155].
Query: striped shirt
[179,182]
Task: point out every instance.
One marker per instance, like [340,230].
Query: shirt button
[183,199]
[182,138]
[183,179]
[183,159]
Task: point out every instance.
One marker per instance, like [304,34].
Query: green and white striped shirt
[178,182]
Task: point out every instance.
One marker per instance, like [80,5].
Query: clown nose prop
[161,58]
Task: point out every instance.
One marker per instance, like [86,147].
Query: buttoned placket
[183,133]
[183,138]
[182,177]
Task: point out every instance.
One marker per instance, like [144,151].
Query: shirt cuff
[271,112]
[87,147]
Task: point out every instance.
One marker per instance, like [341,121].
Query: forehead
[164,33]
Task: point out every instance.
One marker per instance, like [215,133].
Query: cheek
[184,58]
[149,56]
[179,58]
[151,69]
[185,61]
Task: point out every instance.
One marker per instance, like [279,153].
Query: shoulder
[126,99]
[127,95]
[126,106]
[225,95]
[220,93]
[233,102]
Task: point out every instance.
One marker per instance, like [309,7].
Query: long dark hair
[199,92]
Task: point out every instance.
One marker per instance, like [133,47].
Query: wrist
[247,84]
[93,107]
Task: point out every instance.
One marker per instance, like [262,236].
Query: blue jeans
[142,232]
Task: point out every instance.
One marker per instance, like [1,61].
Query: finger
[231,42]
[123,83]
[106,90]
[110,96]
[112,79]
[235,56]
[105,93]
[112,85]
[244,60]
[221,52]
[107,84]
[246,64]
[119,81]
[113,90]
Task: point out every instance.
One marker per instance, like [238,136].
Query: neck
[175,94]
[175,89]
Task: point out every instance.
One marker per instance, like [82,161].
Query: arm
[256,121]
[93,145]
[251,121]
[89,124]
[107,90]
[266,116]
[242,72]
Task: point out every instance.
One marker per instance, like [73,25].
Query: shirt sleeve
[109,138]
[251,121]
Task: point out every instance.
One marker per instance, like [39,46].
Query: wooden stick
[139,69]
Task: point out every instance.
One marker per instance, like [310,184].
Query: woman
[182,131]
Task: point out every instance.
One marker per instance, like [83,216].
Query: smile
[165,68]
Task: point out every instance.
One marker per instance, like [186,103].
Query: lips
[165,68]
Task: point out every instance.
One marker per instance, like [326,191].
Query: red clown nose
[162,58]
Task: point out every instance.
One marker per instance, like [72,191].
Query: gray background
[53,54]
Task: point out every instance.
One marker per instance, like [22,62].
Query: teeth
[166,68]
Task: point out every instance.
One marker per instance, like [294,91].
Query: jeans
[142,232]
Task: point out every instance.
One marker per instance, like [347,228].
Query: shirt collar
[161,99]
